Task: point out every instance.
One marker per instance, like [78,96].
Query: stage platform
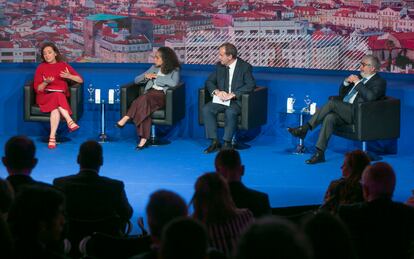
[270,168]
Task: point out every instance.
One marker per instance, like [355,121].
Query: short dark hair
[229,49]
[33,205]
[228,158]
[169,60]
[59,56]
[90,154]
[164,206]
[177,236]
[20,152]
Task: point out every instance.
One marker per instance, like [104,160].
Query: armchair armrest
[175,103]
[202,100]
[129,92]
[28,98]
[378,119]
[254,108]
[76,100]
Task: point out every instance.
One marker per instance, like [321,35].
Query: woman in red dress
[52,89]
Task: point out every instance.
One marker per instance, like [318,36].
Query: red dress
[48,101]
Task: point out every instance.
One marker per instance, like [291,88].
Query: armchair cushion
[375,120]
[253,108]
[32,110]
[173,111]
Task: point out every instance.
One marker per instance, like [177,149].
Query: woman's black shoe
[138,148]
[119,126]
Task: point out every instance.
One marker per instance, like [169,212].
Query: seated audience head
[273,236]
[19,155]
[164,206]
[184,238]
[166,59]
[378,181]
[329,236]
[212,199]
[50,53]
[90,155]
[37,214]
[227,53]
[228,164]
[6,198]
[354,164]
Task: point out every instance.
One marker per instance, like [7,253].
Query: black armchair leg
[238,145]
[154,140]
[372,156]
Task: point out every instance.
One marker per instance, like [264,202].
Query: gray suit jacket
[169,80]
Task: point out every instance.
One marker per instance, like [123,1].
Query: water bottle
[289,104]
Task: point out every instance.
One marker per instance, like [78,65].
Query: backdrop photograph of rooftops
[315,34]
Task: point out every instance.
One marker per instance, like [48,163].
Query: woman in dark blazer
[158,78]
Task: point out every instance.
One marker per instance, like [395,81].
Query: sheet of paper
[216,99]
[54,90]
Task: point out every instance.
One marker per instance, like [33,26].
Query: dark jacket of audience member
[19,161]
[36,222]
[184,238]
[90,196]
[329,236]
[273,237]
[214,207]
[379,227]
[347,189]
[228,164]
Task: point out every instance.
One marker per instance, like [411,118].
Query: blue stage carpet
[269,168]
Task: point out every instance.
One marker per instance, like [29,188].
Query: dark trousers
[142,108]
[210,111]
[332,114]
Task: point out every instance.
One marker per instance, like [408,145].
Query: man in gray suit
[232,78]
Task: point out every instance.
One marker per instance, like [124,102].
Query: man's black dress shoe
[227,145]
[318,157]
[119,125]
[139,148]
[299,132]
[214,146]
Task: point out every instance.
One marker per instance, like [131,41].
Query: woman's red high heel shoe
[72,126]
[52,143]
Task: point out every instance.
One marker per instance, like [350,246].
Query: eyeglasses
[365,64]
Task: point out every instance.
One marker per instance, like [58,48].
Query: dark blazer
[90,196]
[242,81]
[19,181]
[257,202]
[374,89]
[381,228]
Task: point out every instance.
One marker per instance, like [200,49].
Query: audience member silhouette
[6,199]
[214,207]
[36,221]
[273,237]
[184,238]
[228,164]
[163,207]
[347,189]
[379,227]
[19,160]
[329,236]
[93,202]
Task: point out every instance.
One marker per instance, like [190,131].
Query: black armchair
[376,120]
[173,111]
[253,111]
[32,111]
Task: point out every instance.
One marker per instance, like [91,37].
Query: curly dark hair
[169,60]
[59,56]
